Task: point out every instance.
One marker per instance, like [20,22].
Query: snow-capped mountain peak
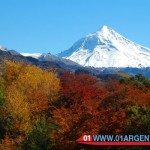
[105,29]
[107,48]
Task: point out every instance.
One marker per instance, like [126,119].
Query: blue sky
[54,25]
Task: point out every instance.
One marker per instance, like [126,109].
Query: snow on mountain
[107,48]
[51,58]
[34,55]
[3,48]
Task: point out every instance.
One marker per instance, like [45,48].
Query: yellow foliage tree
[17,107]
[29,92]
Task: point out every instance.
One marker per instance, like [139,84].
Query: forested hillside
[40,110]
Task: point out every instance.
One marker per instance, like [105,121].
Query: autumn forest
[41,109]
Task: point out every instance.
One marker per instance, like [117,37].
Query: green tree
[138,121]
[39,137]
[138,80]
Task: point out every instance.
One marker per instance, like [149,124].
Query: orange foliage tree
[77,111]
